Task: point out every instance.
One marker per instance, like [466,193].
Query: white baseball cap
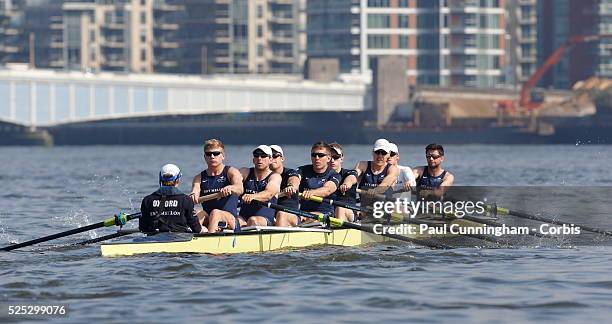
[264,148]
[393,148]
[169,172]
[277,149]
[381,144]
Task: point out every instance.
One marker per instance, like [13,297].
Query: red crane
[525,102]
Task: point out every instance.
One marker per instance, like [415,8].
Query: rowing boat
[258,239]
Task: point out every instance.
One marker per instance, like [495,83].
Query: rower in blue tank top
[287,200]
[376,176]
[316,179]
[432,179]
[217,188]
[347,191]
[262,184]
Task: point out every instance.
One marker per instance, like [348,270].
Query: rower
[405,180]
[223,180]
[376,176]
[168,209]
[432,178]
[260,183]
[278,165]
[316,179]
[347,191]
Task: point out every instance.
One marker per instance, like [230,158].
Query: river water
[49,190]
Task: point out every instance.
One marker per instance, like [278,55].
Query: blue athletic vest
[291,201]
[251,186]
[350,196]
[313,180]
[213,184]
[427,181]
[370,180]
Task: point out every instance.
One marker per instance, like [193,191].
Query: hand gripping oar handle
[202,199]
[340,223]
[336,203]
[119,219]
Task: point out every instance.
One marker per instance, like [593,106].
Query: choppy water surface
[48,190]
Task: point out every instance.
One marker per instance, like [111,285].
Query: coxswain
[168,209]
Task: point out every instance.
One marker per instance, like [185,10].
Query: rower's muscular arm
[418,171]
[195,188]
[235,179]
[272,188]
[293,184]
[360,168]
[328,188]
[448,181]
[390,178]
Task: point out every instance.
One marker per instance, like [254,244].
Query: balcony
[530,20]
[114,26]
[166,44]
[163,25]
[281,18]
[112,42]
[281,37]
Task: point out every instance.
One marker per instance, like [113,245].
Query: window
[378,3]
[143,18]
[259,11]
[260,50]
[403,41]
[402,3]
[143,55]
[402,21]
[259,31]
[379,41]
[379,21]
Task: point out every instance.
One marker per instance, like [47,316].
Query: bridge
[45,98]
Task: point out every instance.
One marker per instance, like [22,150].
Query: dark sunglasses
[336,157]
[260,155]
[318,155]
[276,155]
[380,152]
[213,153]
[431,156]
[393,154]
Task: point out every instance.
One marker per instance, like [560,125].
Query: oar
[340,223]
[119,233]
[120,219]
[202,199]
[522,214]
[396,217]
[337,203]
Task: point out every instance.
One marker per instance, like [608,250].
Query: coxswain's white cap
[169,172]
[381,144]
[277,149]
[393,148]
[264,148]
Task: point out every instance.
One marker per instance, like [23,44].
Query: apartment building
[168,36]
[522,35]
[445,42]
